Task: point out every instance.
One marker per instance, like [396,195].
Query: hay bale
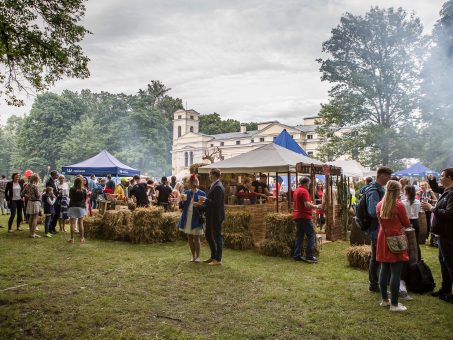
[92,226]
[117,225]
[95,212]
[236,221]
[280,227]
[147,225]
[169,224]
[239,241]
[359,256]
[275,248]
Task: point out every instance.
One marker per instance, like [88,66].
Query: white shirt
[16,192]
[413,209]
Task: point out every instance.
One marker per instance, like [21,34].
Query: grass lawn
[105,289]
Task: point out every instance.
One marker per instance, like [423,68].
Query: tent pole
[276,189]
[289,192]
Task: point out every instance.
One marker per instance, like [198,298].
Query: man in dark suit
[52,183]
[215,214]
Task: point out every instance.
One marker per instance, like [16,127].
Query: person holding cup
[191,221]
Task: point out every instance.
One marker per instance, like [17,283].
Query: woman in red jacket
[393,219]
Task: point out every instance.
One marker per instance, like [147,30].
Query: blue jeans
[446,263]
[215,240]
[304,227]
[373,267]
[47,223]
[394,270]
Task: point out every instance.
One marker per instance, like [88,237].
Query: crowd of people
[393,204]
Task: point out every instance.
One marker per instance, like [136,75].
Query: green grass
[106,289]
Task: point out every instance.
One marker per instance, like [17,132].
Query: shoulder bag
[397,244]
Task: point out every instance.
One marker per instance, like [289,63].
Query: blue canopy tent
[284,139]
[102,164]
[416,170]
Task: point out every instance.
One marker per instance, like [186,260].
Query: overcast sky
[251,60]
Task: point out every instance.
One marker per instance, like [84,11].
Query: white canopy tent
[270,158]
[351,168]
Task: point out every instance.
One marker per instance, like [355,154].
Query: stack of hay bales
[117,225]
[92,226]
[147,225]
[359,256]
[169,226]
[280,235]
[236,232]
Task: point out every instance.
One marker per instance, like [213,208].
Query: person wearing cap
[302,216]
[120,189]
[191,221]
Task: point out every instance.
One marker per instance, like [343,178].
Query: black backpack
[420,279]
[362,218]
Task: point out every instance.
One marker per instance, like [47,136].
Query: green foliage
[39,44]
[436,104]
[373,66]
[212,124]
[68,128]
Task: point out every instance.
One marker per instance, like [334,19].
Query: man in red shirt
[302,216]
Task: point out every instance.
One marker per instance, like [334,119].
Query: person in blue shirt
[374,193]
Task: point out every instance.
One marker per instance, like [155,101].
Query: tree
[212,124]
[437,89]
[374,68]
[39,44]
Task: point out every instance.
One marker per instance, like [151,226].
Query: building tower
[185,121]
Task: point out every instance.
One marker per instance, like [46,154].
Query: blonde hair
[392,194]
[34,179]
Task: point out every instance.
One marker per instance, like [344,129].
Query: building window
[191,117]
[309,136]
[191,158]
[212,145]
[253,141]
[310,153]
[222,158]
[179,117]
[191,129]
[222,143]
[238,142]
[274,138]
[292,136]
[186,159]
[261,139]
[179,131]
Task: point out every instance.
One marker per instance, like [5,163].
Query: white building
[189,145]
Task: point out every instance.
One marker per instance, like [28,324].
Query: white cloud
[250,60]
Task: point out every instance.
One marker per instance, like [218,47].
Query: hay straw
[117,225]
[236,222]
[170,226]
[92,226]
[274,248]
[238,241]
[147,225]
[359,256]
[280,227]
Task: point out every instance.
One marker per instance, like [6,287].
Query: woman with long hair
[77,208]
[14,199]
[191,221]
[426,195]
[393,219]
[413,208]
[33,195]
[319,193]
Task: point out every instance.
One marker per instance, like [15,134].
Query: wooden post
[276,189]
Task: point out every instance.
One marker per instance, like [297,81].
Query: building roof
[235,135]
[306,128]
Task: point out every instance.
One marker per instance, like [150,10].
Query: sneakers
[385,303]
[398,308]
[439,293]
[374,289]
[197,260]
[312,260]
[404,296]
[447,298]
[215,263]
[208,261]
[48,235]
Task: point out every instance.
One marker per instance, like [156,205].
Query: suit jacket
[51,183]
[215,206]
[9,190]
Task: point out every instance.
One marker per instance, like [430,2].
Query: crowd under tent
[102,164]
[416,170]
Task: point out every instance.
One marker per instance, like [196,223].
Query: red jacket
[392,227]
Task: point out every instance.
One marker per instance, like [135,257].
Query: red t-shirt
[301,195]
